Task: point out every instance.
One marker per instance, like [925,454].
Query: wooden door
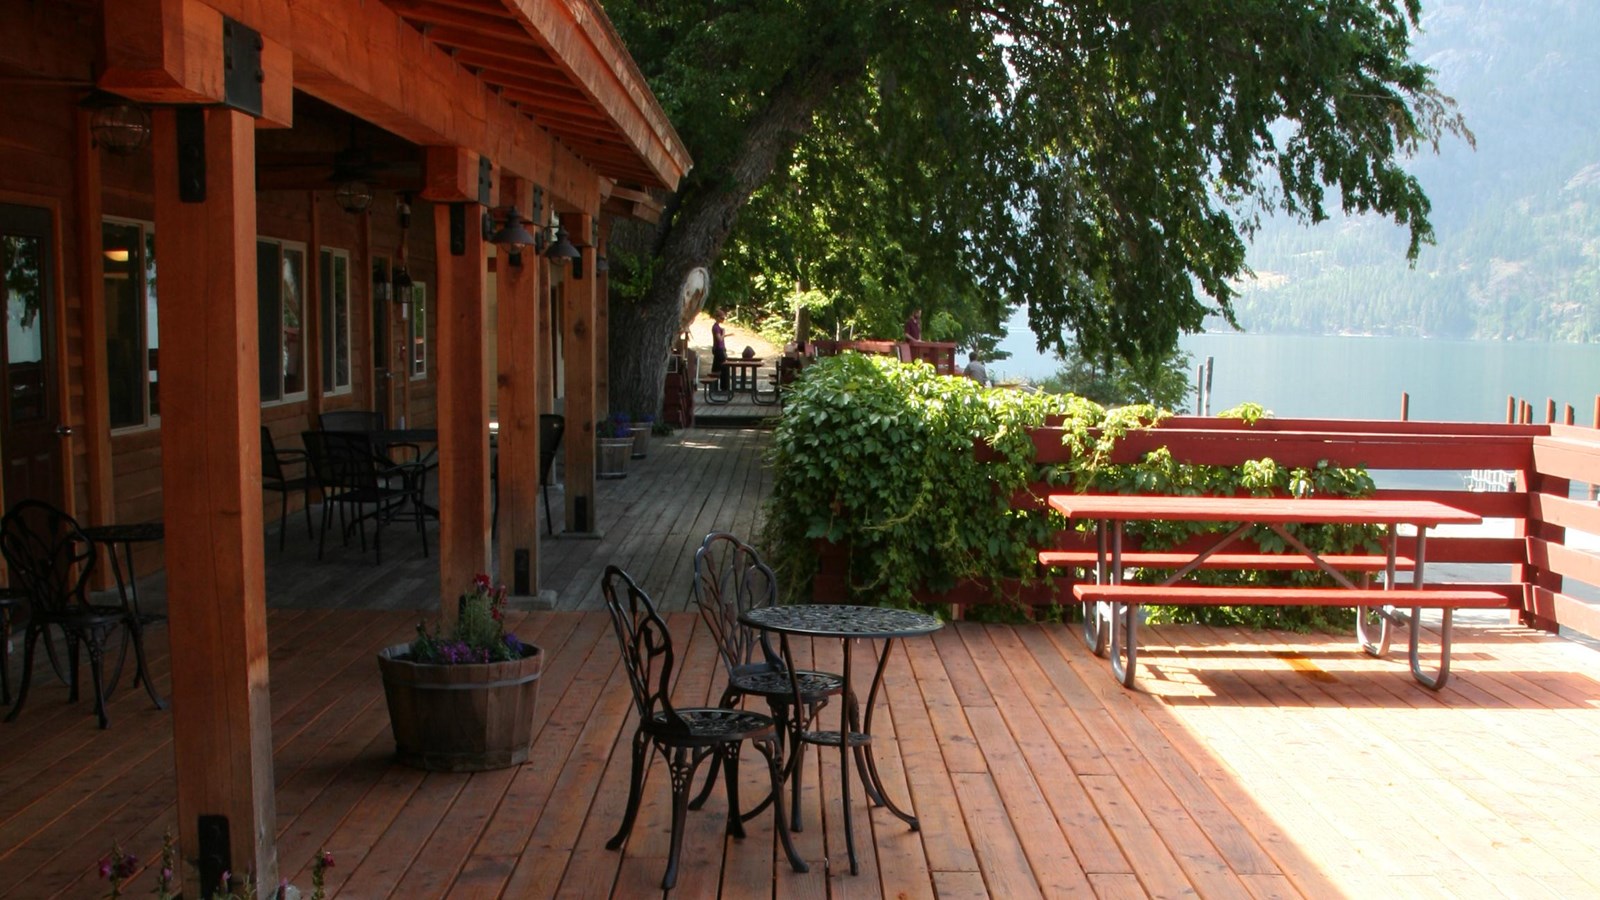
[30,428]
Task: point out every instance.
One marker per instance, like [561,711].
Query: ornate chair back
[352,420]
[49,557]
[646,646]
[730,578]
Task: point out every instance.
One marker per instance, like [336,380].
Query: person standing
[719,350]
[914,325]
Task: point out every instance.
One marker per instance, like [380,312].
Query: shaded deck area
[1252,765]
[1249,764]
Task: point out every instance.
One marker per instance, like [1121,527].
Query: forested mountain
[1517,219]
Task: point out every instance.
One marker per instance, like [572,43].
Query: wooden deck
[1249,764]
[1259,765]
[650,523]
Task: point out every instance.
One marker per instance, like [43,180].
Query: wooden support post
[463,316]
[518,358]
[1549,410]
[578,351]
[1405,406]
[1569,416]
[211,474]
[1511,409]
[102,509]
[602,330]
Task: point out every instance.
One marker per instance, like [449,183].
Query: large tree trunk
[696,225]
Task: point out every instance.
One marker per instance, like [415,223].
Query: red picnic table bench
[1111,608]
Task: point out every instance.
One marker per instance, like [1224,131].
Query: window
[335,277]
[419,331]
[132,347]
[280,291]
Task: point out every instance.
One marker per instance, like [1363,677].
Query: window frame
[328,315]
[286,246]
[148,419]
[417,333]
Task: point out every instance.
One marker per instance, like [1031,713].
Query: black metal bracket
[485,181]
[458,229]
[242,74]
[191,134]
[215,853]
[521,579]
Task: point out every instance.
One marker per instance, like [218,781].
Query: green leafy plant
[479,635]
[876,457]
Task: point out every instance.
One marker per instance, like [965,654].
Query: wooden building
[219,214]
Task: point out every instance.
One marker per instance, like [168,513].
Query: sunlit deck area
[1247,764]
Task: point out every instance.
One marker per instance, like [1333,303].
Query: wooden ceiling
[561,63]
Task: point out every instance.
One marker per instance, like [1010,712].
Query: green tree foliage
[1114,381]
[1095,159]
[1516,216]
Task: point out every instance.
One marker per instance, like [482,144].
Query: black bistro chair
[275,476]
[730,578]
[353,478]
[551,428]
[51,561]
[684,736]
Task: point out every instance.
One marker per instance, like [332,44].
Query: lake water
[1364,377]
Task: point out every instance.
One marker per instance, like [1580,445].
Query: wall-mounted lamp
[119,126]
[561,249]
[353,195]
[513,235]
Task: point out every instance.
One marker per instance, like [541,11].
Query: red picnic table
[1111,603]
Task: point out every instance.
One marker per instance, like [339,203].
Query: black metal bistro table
[855,732]
[125,536]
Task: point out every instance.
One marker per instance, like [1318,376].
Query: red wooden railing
[1531,538]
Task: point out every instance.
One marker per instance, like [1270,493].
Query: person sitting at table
[976,370]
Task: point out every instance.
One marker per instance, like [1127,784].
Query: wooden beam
[578,358]
[450,175]
[518,357]
[463,404]
[211,471]
[581,38]
[363,58]
[170,52]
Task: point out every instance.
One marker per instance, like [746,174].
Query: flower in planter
[119,867]
[479,635]
[617,426]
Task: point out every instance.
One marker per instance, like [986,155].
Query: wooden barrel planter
[461,718]
[612,460]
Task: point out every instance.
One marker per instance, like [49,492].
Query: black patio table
[855,733]
[125,536]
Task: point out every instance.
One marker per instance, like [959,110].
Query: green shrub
[877,457]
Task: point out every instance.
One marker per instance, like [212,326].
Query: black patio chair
[730,578]
[275,477]
[551,428]
[683,736]
[353,478]
[50,561]
[368,421]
